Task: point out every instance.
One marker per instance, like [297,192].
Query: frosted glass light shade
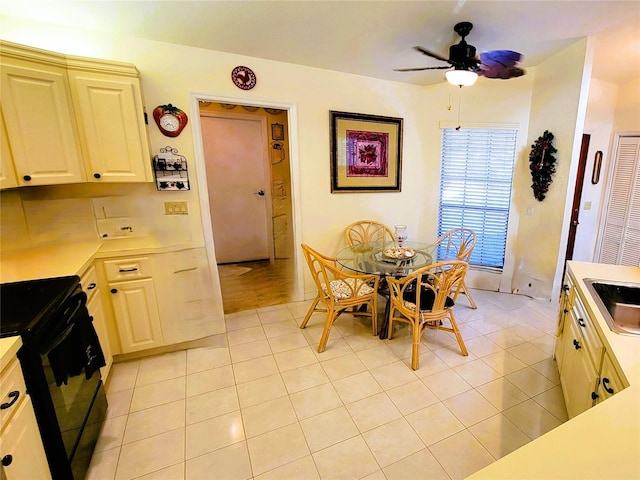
[464,78]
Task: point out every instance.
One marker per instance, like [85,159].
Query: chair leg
[310,312]
[415,348]
[457,333]
[374,315]
[463,288]
[328,323]
[390,323]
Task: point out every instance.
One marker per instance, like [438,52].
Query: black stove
[23,305]
[60,359]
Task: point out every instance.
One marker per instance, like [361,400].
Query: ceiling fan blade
[431,54]
[500,64]
[419,68]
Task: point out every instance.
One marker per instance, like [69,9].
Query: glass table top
[371,258]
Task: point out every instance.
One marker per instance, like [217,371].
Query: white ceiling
[368,38]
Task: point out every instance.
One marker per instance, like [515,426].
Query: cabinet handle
[581,322]
[114,290]
[594,396]
[6,460]
[14,398]
[27,178]
[96,175]
[185,270]
[565,288]
[91,286]
[128,270]
[576,344]
[605,384]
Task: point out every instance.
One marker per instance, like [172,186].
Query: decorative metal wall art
[170,170]
[542,165]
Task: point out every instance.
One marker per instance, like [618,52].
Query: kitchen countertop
[602,442]
[57,260]
[9,347]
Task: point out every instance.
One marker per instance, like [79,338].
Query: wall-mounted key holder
[170,170]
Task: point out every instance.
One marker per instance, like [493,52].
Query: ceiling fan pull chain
[459,104]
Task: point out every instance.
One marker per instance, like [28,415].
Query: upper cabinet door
[40,123]
[112,128]
[7,171]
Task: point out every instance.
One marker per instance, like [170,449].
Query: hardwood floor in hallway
[251,285]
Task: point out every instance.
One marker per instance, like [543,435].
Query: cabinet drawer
[11,381]
[89,282]
[127,268]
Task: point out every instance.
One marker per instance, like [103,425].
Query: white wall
[170,74]
[599,125]
[627,116]
[559,106]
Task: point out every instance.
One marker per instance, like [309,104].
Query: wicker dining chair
[364,231]
[458,244]
[423,299]
[338,291]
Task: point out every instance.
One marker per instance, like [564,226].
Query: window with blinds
[475,188]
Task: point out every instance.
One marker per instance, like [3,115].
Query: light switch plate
[176,208]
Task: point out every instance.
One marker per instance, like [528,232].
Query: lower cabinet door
[136,312]
[578,376]
[610,380]
[21,447]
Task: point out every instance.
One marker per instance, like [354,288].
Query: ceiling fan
[467,66]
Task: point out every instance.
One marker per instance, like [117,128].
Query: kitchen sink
[619,303]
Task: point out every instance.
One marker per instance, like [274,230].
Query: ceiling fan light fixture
[462,78]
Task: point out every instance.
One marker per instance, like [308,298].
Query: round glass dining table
[370,258]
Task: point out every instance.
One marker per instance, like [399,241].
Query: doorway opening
[248,171]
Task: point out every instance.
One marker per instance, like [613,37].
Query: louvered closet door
[621,234]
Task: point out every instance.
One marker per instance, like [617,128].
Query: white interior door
[235,152]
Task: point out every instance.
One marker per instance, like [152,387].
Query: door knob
[259,192]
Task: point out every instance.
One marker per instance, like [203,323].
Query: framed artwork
[366,153]
[277,131]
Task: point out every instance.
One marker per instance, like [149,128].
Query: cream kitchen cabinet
[40,122]
[587,371]
[611,381]
[578,375]
[111,122]
[89,282]
[21,451]
[7,170]
[188,308]
[72,119]
[134,303]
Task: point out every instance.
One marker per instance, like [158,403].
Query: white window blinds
[621,234]
[475,188]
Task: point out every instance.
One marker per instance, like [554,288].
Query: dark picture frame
[366,152]
[597,165]
[277,131]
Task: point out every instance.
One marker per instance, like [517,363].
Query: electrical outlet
[176,208]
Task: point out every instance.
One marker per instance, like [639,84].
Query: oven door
[80,403]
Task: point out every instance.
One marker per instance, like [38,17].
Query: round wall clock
[170,120]
[244,78]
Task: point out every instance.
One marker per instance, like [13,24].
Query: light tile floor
[265,405]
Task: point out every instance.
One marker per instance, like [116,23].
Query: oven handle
[69,318]
[58,340]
